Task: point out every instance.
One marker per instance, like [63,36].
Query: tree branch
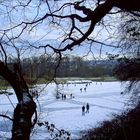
[7,117]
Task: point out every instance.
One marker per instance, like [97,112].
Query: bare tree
[129,63]
[27,27]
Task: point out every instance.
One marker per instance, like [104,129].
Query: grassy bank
[105,79]
[4,85]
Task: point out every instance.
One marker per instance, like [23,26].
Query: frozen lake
[104,98]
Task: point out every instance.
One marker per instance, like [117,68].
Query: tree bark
[22,124]
[25,108]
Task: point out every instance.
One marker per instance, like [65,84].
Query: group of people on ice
[85,109]
[85,88]
[64,96]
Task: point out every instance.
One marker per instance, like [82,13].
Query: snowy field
[104,99]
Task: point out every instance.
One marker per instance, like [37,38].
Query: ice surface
[104,99]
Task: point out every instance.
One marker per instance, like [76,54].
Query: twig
[5,116]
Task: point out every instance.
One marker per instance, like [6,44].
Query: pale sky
[53,34]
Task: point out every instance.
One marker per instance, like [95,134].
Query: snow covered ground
[104,99]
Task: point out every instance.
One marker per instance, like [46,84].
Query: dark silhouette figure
[62,96]
[87,108]
[36,94]
[81,89]
[83,110]
[33,93]
[65,97]
[71,95]
[85,89]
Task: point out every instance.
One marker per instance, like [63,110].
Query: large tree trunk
[25,108]
[22,124]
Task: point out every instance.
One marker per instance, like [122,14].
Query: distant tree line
[70,66]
